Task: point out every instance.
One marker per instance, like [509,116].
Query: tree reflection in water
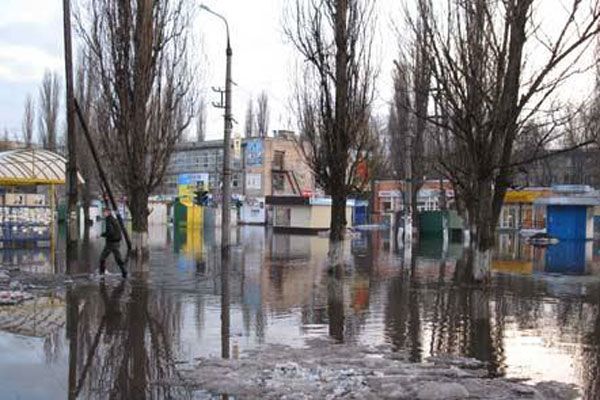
[123,336]
[122,348]
[458,319]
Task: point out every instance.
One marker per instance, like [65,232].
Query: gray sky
[31,41]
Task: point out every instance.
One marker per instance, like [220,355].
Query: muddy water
[540,318]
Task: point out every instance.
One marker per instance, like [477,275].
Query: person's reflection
[200,267]
[112,307]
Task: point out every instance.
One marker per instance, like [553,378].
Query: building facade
[275,166]
[389,196]
[200,158]
[260,167]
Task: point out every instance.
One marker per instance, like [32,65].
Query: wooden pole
[72,217]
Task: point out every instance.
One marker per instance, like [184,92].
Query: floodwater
[539,318]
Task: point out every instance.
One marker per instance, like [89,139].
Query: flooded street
[539,318]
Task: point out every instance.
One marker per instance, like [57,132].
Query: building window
[278,182]
[278,160]
[386,205]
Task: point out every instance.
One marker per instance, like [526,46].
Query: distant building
[261,166]
[275,166]
[199,157]
[389,196]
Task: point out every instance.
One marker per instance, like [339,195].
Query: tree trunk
[138,206]
[336,229]
[338,217]
[482,225]
[415,208]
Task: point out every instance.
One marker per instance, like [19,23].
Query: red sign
[362,170]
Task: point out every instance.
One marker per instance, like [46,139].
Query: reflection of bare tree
[591,363]
[463,327]
[123,344]
[335,303]
[402,317]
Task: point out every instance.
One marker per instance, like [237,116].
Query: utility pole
[227,152]
[226,192]
[408,193]
[72,218]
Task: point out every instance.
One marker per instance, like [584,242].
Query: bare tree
[408,117]
[485,93]
[49,105]
[593,108]
[334,37]
[201,120]
[139,49]
[262,115]
[86,93]
[249,122]
[28,121]
[407,125]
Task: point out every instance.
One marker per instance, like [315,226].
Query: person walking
[112,235]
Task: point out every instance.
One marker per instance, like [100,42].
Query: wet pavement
[539,318]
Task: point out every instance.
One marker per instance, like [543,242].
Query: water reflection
[539,318]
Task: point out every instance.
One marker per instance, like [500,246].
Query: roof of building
[32,167]
[589,200]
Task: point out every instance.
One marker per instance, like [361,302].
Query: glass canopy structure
[32,167]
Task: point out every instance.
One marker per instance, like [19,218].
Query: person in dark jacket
[112,234]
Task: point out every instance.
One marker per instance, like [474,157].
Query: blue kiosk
[571,220]
[570,217]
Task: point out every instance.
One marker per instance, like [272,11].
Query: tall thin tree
[49,106]
[28,121]
[249,122]
[201,120]
[262,114]
[86,93]
[335,39]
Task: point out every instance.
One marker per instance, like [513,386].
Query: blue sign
[254,152]
[191,179]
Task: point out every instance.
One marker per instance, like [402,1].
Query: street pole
[73,226]
[226,192]
[227,153]
[408,204]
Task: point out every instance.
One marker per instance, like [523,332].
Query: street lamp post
[226,192]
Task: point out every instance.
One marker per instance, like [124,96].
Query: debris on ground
[13,297]
[326,370]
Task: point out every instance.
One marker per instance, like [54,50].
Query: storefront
[520,212]
[304,215]
[27,196]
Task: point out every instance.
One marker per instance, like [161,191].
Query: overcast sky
[31,41]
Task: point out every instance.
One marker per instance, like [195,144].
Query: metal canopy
[32,167]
